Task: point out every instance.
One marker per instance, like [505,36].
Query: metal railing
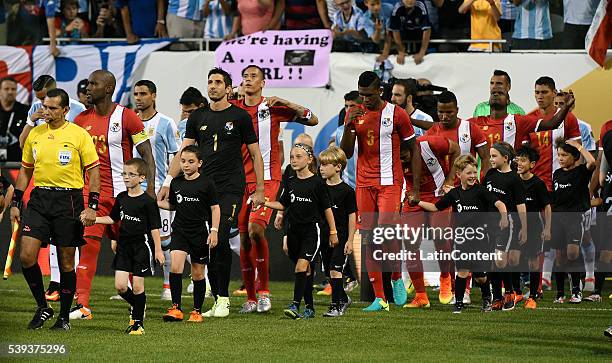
[204,44]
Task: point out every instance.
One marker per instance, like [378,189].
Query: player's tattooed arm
[454,151]
[483,152]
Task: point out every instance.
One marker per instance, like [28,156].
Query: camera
[425,100]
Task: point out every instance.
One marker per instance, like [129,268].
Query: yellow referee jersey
[59,157]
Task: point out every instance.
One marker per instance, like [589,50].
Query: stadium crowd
[375,26]
[205,187]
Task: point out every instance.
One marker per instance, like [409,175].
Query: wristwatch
[161,21]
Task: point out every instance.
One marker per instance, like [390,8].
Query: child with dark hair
[570,200]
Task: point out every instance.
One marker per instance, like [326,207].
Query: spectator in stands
[345,22]
[532,28]
[577,18]
[506,22]
[484,15]
[143,19]
[13,116]
[452,25]
[106,25]
[254,16]
[219,19]
[25,23]
[70,24]
[304,14]
[331,12]
[432,14]
[184,19]
[410,23]
[375,24]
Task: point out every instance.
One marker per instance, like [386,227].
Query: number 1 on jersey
[215,142]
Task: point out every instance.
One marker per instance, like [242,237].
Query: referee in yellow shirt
[57,154]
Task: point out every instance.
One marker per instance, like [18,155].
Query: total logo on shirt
[461,208]
[180,199]
[299,199]
[491,188]
[562,186]
[128,217]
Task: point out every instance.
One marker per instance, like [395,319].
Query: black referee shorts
[303,241]
[135,257]
[195,245]
[53,216]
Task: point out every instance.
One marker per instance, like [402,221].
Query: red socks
[86,270]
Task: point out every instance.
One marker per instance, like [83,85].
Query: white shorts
[166,222]
[587,219]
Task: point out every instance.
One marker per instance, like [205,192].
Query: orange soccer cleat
[173,314]
[195,317]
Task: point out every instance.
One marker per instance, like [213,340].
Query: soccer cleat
[321,286]
[211,312]
[52,295]
[378,305]
[458,308]
[518,298]
[308,313]
[487,307]
[190,287]
[497,305]
[195,317]
[589,284]
[40,316]
[593,298]
[248,307]
[446,294]
[531,304]
[546,284]
[61,324]
[508,302]
[608,332]
[173,314]
[222,307]
[263,303]
[350,285]
[326,291]
[241,291]
[418,302]
[576,298]
[399,292]
[410,288]
[333,312]
[114,297]
[137,329]
[293,312]
[467,300]
[166,295]
[559,300]
[344,305]
[80,312]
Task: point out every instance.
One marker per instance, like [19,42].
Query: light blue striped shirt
[509,11]
[76,107]
[533,21]
[162,133]
[217,24]
[367,24]
[350,172]
[421,116]
[188,9]
[182,127]
[586,136]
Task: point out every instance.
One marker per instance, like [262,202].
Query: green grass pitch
[550,333]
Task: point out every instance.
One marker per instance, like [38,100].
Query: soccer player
[190,100]
[381,129]
[499,79]
[195,231]
[570,200]
[604,265]
[537,200]
[471,141]
[514,129]
[344,208]
[469,201]
[162,133]
[267,114]
[435,175]
[220,132]
[41,86]
[115,130]
[403,94]
[140,225]
[56,154]
[306,198]
[505,183]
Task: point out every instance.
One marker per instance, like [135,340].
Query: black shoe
[458,307]
[486,305]
[608,332]
[40,316]
[344,305]
[61,324]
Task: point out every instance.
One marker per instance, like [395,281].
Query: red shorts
[378,204]
[415,216]
[100,230]
[263,214]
